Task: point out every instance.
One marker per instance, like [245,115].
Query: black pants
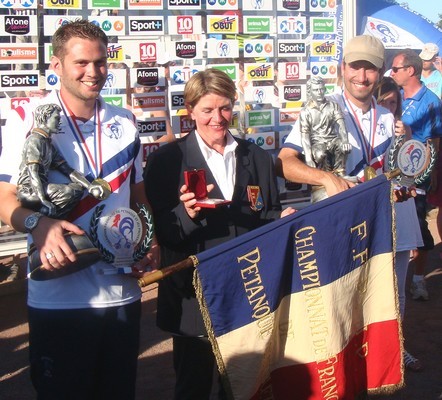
[195,368]
[85,354]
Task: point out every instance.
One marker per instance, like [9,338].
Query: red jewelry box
[195,181]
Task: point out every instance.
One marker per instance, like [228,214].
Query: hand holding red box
[195,181]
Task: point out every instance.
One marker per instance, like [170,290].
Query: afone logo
[17,25]
[147,76]
[185,49]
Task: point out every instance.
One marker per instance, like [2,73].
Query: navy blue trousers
[84,354]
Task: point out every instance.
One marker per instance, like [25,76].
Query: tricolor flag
[306,307]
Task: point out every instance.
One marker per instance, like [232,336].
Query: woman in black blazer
[237,171]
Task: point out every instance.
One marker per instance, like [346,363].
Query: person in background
[435,192]
[83,327]
[237,171]
[421,111]
[408,235]
[431,68]
[432,78]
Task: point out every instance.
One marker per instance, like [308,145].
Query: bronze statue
[34,191]
[323,131]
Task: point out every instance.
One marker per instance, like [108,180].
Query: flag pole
[191,261]
[392,174]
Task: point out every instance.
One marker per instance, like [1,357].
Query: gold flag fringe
[208,323]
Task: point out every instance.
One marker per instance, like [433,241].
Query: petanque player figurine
[323,131]
[34,191]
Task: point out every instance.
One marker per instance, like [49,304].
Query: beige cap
[429,51]
[365,48]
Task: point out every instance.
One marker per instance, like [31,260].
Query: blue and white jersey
[107,146]
[369,134]
[422,113]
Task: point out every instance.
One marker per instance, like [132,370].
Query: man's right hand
[48,237]
[290,166]
[334,184]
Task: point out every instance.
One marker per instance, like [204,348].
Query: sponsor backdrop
[268,47]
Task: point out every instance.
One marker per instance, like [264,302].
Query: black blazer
[179,236]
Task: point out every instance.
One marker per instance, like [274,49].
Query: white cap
[429,51]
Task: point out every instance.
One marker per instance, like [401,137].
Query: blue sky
[428,8]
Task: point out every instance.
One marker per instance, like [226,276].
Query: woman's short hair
[209,81]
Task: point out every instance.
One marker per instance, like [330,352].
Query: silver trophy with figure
[57,200]
[323,133]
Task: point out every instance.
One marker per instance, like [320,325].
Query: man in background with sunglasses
[421,111]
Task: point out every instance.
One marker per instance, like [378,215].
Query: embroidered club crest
[114,130]
[255,197]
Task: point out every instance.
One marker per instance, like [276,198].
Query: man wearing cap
[421,111]
[431,68]
[370,131]
[370,126]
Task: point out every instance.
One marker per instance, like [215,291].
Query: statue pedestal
[318,193]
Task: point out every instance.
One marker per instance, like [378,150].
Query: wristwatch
[31,221]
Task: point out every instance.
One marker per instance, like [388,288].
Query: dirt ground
[422,331]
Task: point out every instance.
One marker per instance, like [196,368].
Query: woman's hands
[189,200]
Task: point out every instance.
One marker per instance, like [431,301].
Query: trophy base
[86,253]
[318,193]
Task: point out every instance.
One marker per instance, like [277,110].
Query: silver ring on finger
[49,255]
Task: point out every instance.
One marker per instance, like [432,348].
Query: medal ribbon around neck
[368,148]
[96,168]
